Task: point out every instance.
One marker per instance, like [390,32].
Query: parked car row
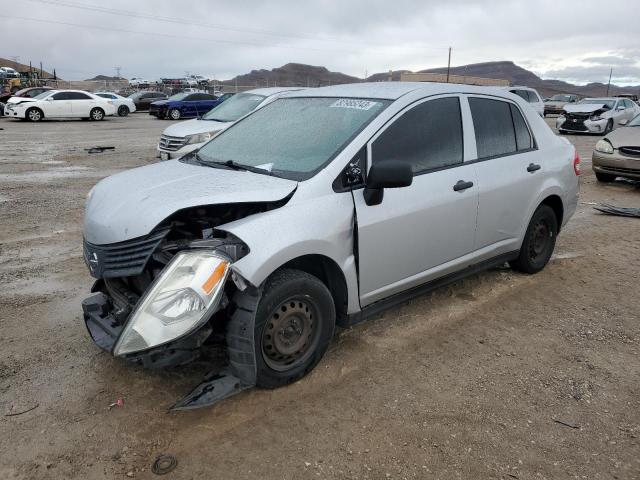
[60,104]
[188,81]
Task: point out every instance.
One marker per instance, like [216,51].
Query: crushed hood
[194,126]
[584,107]
[130,204]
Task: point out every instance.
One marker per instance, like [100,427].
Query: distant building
[442,78]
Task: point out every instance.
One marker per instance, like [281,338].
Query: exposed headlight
[177,303]
[603,146]
[202,137]
[595,117]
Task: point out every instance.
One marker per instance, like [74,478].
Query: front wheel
[294,321]
[96,114]
[609,126]
[123,111]
[539,241]
[605,177]
[174,114]
[34,114]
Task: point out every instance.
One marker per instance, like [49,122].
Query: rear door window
[523,136]
[78,96]
[428,136]
[495,128]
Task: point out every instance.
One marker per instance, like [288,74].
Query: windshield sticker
[354,103]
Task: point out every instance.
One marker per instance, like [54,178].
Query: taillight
[576,163]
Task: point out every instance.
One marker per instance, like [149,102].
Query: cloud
[224,38]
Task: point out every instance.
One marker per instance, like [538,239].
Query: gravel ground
[500,376]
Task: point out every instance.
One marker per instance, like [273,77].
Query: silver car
[322,208]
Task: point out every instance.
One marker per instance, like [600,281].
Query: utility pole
[449,65]
[15,59]
[609,84]
[117,69]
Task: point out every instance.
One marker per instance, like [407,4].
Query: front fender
[323,225]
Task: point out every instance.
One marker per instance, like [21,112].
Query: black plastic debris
[619,211]
[164,464]
[99,149]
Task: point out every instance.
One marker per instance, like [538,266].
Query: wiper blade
[234,166]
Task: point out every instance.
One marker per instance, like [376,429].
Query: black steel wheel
[293,318]
[539,241]
[123,111]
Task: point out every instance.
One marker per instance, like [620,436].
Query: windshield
[293,137]
[635,122]
[43,95]
[179,96]
[598,101]
[235,107]
[560,98]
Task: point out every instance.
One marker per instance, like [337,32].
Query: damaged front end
[158,298]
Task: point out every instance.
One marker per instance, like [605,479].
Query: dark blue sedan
[185,105]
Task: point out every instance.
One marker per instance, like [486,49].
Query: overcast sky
[577,41]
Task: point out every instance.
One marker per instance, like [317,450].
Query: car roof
[268,91]
[393,90]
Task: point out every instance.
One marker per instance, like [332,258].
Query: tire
[34,115]
[609,127]
[605,177]
[174,114]
[294,319]
[96,114]
[123,111]
[539,241]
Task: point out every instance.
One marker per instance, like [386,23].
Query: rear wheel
[123,111]
[174,114]
[34,114]
[96,114]
[605,177]
[539,241]
[294,321]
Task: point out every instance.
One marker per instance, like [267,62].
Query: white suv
[184,137]
[530,96]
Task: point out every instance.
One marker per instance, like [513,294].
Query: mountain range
[297,74]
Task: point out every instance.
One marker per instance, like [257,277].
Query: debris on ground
[620,211]
[577,427]
[118,403]
[98,149]
[164,464]
[15,414]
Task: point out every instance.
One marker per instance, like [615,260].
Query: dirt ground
[500,376]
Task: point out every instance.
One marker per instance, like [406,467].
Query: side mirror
[620,108]
[389,174]
[49,99]
[624,121]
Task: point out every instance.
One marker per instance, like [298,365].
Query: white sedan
[60,104]
[124,106]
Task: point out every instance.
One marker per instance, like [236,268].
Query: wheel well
[555,202]
[26,113]
[330,274]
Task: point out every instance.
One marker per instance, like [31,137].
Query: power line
[167,35]
[183,21]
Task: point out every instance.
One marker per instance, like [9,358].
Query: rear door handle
[533,167]
[462,185]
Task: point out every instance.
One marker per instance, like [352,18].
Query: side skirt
[389,302]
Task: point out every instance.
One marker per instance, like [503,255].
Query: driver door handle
[462,185]
[533,167]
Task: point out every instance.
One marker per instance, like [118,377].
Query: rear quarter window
[500,128]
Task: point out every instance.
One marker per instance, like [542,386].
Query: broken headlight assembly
[603,146]
[595,117]
[202,137]
[179,302]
